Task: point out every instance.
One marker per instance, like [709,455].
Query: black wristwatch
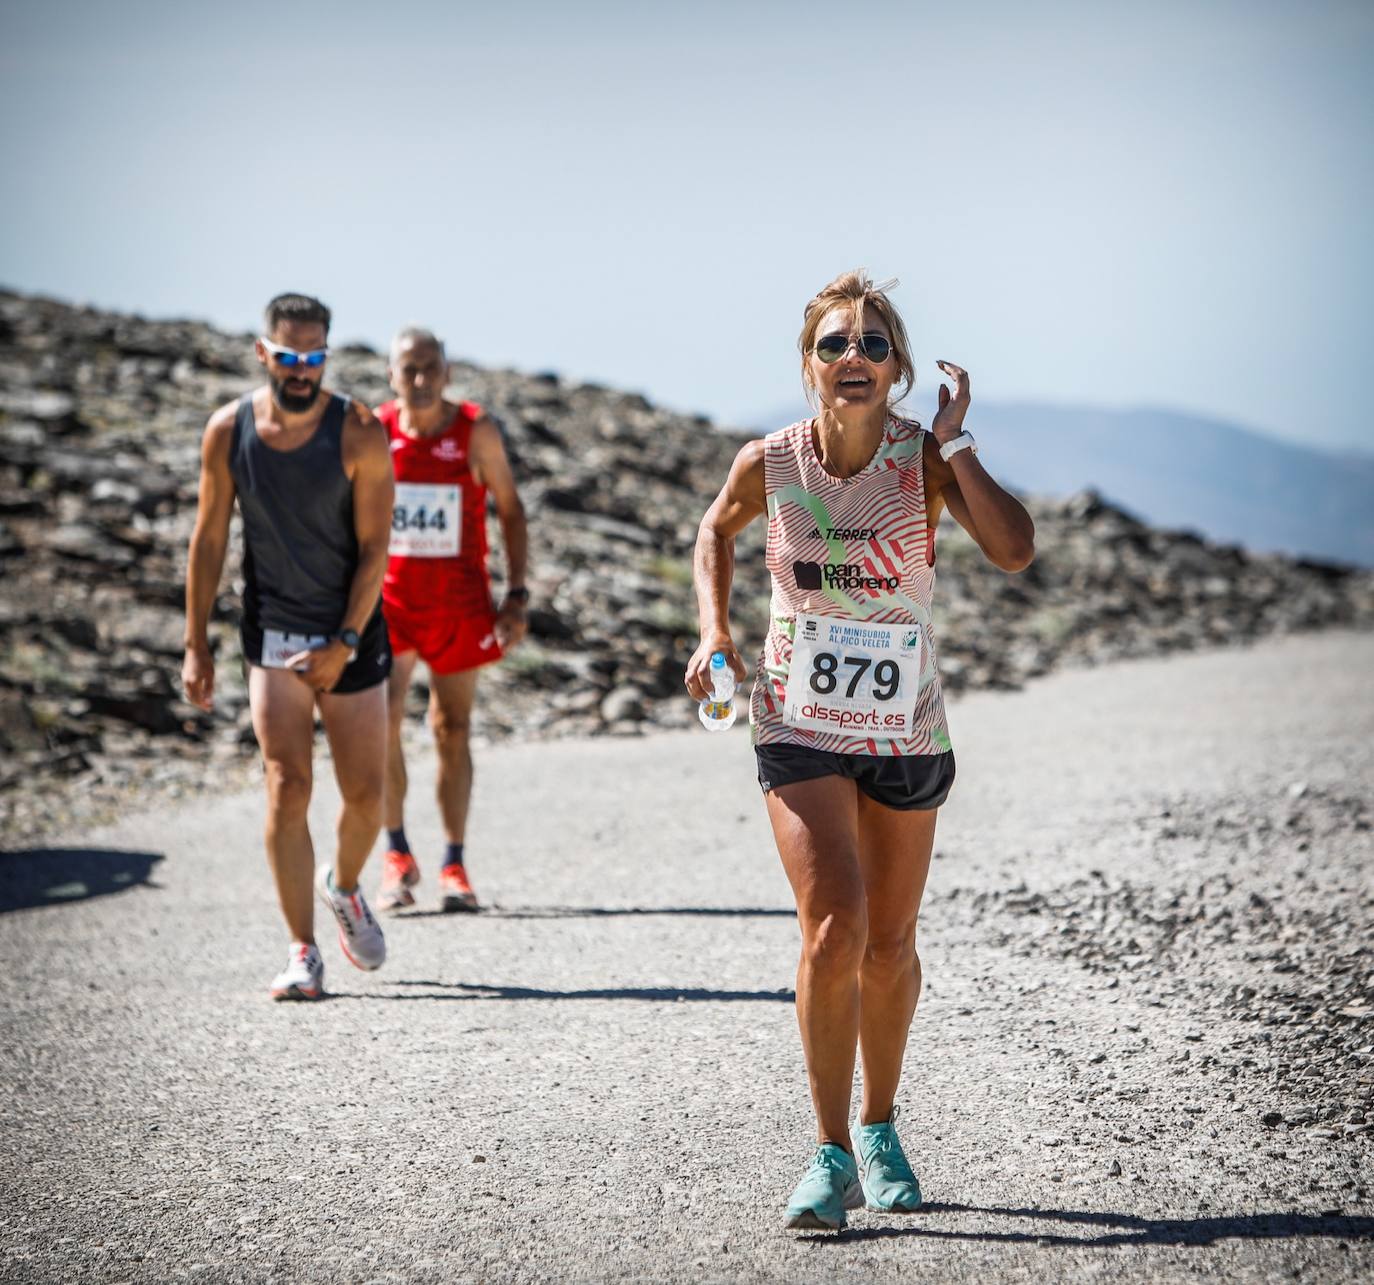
[518,595]
[349,638]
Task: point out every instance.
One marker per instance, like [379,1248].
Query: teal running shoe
[828,1188]
[888,1183]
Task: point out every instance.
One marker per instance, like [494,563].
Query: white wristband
[956,444]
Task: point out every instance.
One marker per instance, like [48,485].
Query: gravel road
[1144,1052]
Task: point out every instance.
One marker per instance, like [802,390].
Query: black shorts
[911,783]
[372,666]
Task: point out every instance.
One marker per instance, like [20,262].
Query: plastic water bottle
[718,713]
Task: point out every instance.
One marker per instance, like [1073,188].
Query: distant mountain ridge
[1185,471]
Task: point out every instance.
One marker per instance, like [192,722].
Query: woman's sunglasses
[875,347]
[290,357]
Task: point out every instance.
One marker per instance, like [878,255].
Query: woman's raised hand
[949,419]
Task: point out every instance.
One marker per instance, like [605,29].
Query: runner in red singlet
[436,596]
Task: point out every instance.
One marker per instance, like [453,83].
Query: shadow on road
[480,991]
[55,876]
[1121,1229]
[607,912]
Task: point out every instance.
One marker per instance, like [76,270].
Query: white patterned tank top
[858,549]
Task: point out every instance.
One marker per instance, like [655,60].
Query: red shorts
[447,644]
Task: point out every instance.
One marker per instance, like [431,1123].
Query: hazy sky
[1165,204]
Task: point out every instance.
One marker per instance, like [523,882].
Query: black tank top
[300,551]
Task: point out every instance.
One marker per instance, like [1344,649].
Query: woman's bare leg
[894,856]
[815,824]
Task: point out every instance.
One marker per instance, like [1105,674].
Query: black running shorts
[911,783]
[372,666]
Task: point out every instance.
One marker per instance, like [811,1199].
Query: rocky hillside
[100,419]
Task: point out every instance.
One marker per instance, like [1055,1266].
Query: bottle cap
[717,660]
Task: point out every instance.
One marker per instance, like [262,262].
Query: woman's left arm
[997,521]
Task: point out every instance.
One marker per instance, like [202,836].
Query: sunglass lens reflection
[288,357]
[830,348]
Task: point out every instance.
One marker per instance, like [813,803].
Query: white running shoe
[360,935]
[303,976]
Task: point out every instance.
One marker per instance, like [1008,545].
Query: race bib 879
[854,677]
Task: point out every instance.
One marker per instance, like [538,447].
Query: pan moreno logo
[846,576]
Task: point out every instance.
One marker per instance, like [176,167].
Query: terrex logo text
[843,533]
[839,575]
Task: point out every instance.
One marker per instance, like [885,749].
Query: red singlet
[436,591]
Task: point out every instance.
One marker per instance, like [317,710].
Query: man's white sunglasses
[290,357]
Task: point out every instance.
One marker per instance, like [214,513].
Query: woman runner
[849,728]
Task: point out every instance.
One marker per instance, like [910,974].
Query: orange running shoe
[455,891]
[400,873]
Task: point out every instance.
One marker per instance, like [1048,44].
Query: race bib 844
[425,520]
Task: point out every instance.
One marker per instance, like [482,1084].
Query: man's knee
[288,788]
[450,726]
[363,795]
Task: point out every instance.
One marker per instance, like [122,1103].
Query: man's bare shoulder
[486,432]
[223,416]
[364,436]
[360,422]
[219,430]
[359,412]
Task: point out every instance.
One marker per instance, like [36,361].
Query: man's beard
[293,403]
